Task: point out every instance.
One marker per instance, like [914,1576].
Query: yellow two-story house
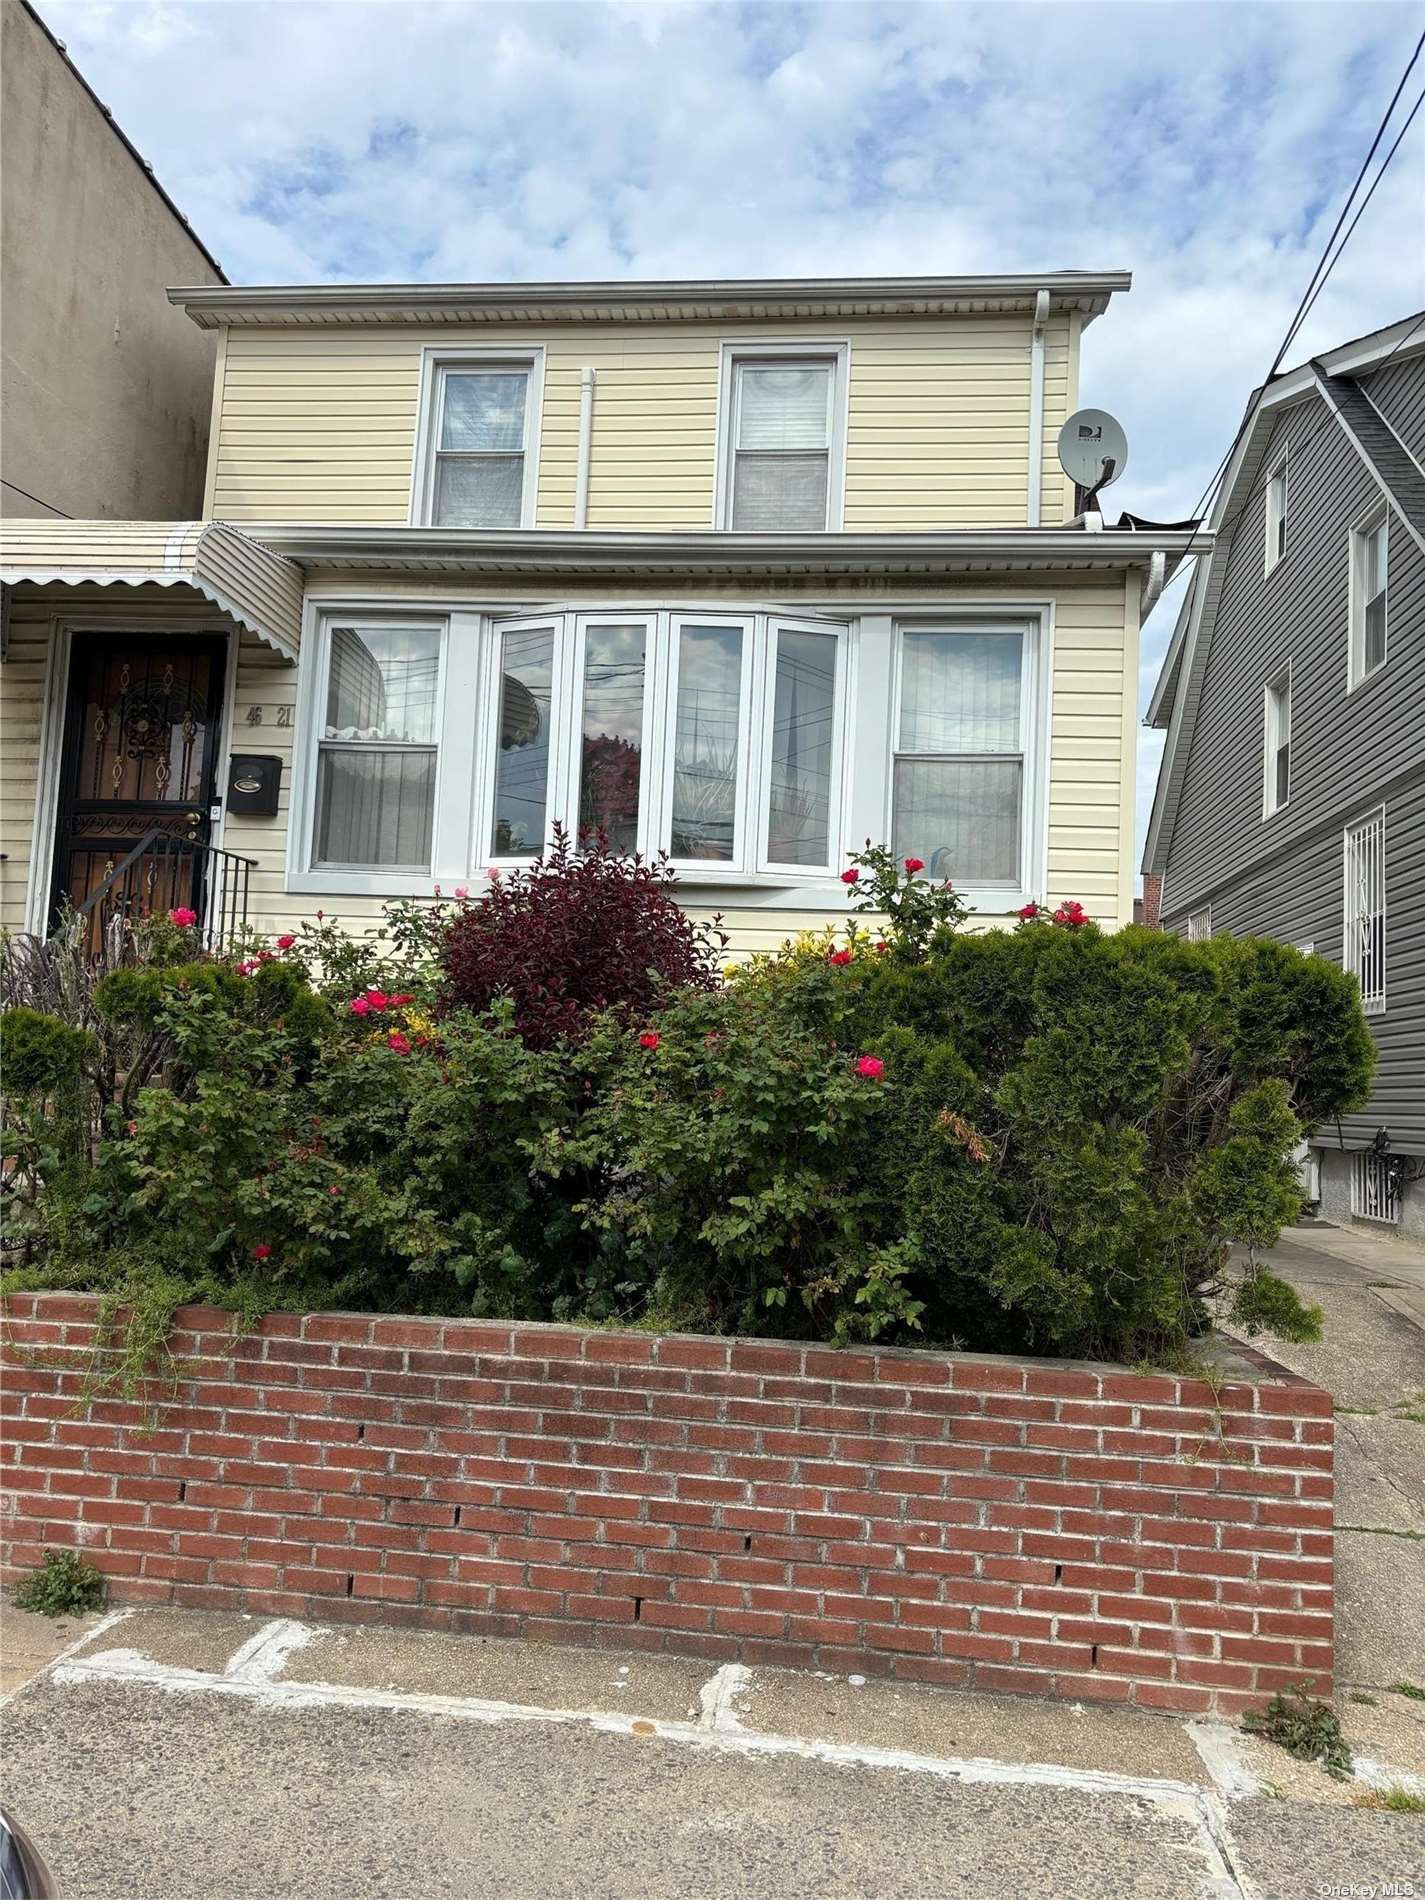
[744,573]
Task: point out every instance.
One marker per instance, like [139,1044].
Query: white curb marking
[252,1675]
[1220,1749]
[106,1622]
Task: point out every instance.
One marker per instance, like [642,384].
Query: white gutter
[1036,408]
[586,442]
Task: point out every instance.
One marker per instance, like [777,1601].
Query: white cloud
[1207,148]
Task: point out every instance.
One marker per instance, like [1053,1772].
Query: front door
[140,754]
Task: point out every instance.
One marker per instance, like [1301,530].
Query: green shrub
[39,1054]
[68,1585]
[1304,1727]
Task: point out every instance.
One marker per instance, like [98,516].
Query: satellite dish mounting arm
[1086,499]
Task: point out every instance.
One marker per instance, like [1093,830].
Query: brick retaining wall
[1011,1524]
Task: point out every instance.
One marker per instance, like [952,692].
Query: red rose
[286,940]
[183,917]
[871,1067]
[359,1006]
[650,1039]
[914,864]
[333,1189]
[399,1002]
[881,947]
[840,956]
[401,1044]
[850,877]
[1028,913]
[378,999]
[261,1251]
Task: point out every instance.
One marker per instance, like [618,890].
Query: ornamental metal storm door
[140,755]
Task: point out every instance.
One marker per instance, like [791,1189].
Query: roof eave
[592,554]
[646,302]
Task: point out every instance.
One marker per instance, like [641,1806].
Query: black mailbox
[254,780]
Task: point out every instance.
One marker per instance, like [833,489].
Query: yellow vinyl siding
[321,426]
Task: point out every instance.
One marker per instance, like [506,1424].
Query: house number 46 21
[258,715]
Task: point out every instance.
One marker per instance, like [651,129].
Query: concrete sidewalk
[179,1756]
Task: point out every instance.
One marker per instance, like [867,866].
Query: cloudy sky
[1205,147]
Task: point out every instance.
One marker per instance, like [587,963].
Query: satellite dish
[1093,451]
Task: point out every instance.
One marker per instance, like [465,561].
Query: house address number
[269,715]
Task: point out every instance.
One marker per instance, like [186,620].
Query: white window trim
[436,359]
[449,827]
[1272,557]
[838,354]
[1270,700]
[1377,516]
[709,870]
[777,624]
[493,634]
[1374,1005]
[1035,674]
[573,765]
[865,700]
[1197,927]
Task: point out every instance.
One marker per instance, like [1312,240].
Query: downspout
[1153,586]
[586,444]
[1036,408]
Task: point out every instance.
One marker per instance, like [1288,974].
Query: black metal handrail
[223,879]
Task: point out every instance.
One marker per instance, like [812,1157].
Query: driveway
[178,1756]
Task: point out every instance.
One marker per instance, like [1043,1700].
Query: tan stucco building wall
[105,389]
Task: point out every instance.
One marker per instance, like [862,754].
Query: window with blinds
[958,773]
[1365,908]
[782,428]
[377,750]
[480,436]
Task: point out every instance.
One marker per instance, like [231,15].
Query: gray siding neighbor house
[1291,798]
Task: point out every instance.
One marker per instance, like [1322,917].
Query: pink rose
[462,891]
[286,940]
[183,917]
[359,1006]
[871,1067]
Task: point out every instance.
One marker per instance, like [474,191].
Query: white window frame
[448,822]
[1198,927]
[1373,1002]
[806,350]
[574,749]
[1377,518]
[437,362]
[496,632]
[1033,742]
[778,624]
[1277,504]
[1273,738]
[711,870]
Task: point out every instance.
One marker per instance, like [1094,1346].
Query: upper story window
[1276,517]
[1370,557]
[1277,769]
[479,440]
[1365,908]
[783,435]
[959,772]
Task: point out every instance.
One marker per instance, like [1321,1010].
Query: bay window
[754,747]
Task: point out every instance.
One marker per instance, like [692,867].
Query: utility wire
[1326,264]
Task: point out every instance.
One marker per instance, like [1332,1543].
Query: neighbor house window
[1370,553]
[958,776]
[479,433]
[783,436]
[377,747]
[1277,787]
[1365,908]
[1199,925]
[1276,517]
